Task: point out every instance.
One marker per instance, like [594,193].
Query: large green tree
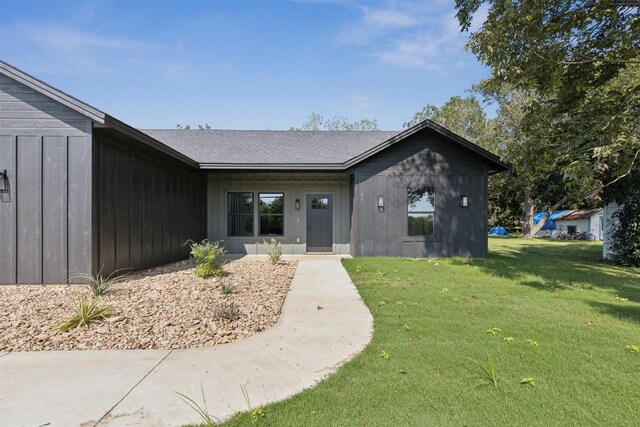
[463,116]
[316,122]
[581,57]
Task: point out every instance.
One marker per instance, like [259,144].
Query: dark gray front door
[319,223]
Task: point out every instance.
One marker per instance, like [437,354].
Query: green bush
[626,233]
[85,313]
[99,284]
[274,250]
[207,256]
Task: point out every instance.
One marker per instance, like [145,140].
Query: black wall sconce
[4,182]
[464,201]
[297,204]
[380,204]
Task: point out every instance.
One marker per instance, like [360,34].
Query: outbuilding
[85,192]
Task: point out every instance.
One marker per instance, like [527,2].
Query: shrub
[226,288]
[99,284]
[85,313]
[226,311]
[626,233]
[206,255]
[274,250]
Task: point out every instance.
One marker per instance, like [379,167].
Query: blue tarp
[549,224]
[498,231]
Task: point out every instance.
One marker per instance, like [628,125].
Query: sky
[244,64]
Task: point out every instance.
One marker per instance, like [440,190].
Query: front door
[319,223]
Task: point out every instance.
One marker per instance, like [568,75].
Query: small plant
[380,273]
[206,255]
[528,381]
[85,313]
[444,290]
[99,284]
[256,413]
[508,340]
[633,348]
[227,311]
[532,343]
[226,288]
[274,250]
[385,355]
[358,269]
[209,420]
[489,370]
[494,331]
[406,327]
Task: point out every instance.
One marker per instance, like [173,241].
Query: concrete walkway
[137,387]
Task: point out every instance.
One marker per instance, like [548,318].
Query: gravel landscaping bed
[163,308]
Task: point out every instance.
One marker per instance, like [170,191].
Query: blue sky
[241,64]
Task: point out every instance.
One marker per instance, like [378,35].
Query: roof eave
[124,128]
[273,166]
[492,159]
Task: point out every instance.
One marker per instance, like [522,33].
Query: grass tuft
[85,313]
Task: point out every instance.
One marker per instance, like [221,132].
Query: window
[271,213]
[240,214]
[320,203]
[572,229]
[421,211]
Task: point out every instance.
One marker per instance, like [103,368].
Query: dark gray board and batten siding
[82,198]
[45,218]
[147,205]
[424,159]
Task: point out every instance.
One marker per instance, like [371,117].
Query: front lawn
[432,315]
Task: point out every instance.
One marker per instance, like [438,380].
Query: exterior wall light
[4,182]
[297,204]
[464,201]
[380,202]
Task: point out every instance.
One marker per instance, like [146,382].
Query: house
[86,192]
[574,221]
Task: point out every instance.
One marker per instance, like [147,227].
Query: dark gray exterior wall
[146,205]
[45,218]
[424,159]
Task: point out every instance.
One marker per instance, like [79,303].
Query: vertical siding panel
[54,210]
[136,197]
[122,208]
[158,214]
[80,202]
[147,208]
[107,208]
[29,209]
[8,211]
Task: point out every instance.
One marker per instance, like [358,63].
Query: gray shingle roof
[243,148]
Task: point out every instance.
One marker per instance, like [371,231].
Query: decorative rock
[162,308]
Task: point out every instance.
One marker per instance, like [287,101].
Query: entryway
[319,223]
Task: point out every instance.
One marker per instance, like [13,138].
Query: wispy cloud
[387,18]
[414,35]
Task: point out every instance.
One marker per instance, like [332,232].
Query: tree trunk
[529,212]
[530,229]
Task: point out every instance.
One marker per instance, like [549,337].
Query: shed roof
[578,214]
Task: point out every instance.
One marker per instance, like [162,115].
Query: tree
[316,122]
[463,116]
[581,57]
[206,126]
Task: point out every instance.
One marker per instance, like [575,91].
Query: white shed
[609,222]
[579,220]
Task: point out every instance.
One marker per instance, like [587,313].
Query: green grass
[432,316]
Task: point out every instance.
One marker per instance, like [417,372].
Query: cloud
[411,35]
[387,18]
